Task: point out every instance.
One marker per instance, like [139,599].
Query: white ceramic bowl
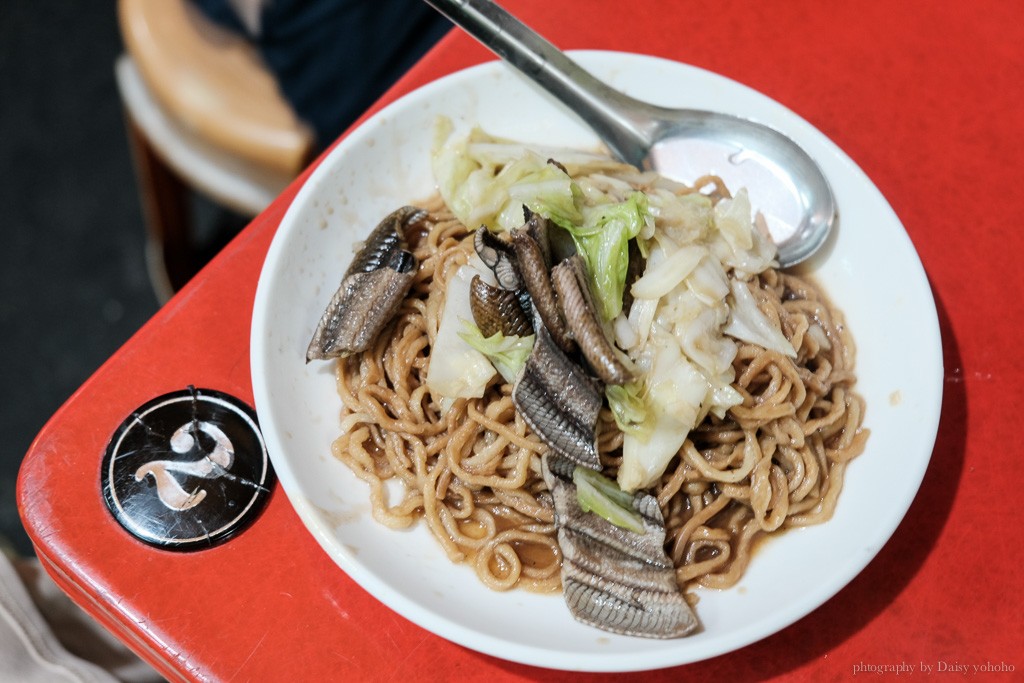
[870,270]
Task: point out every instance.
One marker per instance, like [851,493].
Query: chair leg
[166,210]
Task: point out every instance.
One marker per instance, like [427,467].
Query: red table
[926,96]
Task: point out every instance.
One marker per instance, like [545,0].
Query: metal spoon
[783,181]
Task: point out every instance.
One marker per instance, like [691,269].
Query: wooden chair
[203,114]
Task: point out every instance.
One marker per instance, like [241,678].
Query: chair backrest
[214,83]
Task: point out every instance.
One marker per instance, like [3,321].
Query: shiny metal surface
[784,183]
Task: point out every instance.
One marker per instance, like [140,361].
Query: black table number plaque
[187,470]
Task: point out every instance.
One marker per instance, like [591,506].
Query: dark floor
[73,283]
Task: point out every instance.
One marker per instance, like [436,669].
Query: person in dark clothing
[332,58]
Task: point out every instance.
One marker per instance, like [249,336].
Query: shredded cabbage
[677,326]
[689,305]
[485,180]
[665,273]
[675,392]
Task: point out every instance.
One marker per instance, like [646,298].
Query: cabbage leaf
[457,370]
[598,494]
[748,323]
[603,242]
[629,408]
[507,354]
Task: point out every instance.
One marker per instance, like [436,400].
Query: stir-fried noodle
[473,473]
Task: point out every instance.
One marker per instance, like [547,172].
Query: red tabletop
[927,96]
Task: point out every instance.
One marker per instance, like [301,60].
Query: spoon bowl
[784,183]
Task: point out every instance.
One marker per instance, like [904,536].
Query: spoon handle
[623,123]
